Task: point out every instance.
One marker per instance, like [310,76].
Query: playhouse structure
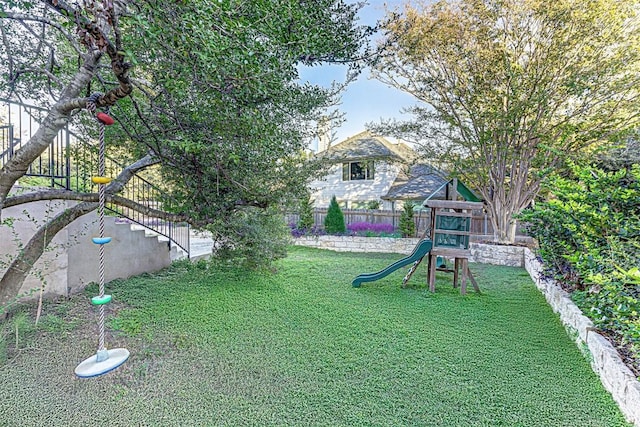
[450,232]
[447,237]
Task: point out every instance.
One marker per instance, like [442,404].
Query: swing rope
[104,360]
[91,106]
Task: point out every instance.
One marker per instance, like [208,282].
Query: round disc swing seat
[104,360]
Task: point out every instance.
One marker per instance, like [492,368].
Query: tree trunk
[19,269]
[56,120]
[504,225]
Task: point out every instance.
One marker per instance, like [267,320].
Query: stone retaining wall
[359,244]
[512,256]
[616,377]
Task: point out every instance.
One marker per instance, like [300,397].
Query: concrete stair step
[176,251]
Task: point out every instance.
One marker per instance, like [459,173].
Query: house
[367,170]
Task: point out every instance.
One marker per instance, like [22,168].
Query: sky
[365,100]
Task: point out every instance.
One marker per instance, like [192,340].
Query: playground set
[448,238]
[104,360]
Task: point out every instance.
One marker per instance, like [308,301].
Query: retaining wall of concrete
[71,261]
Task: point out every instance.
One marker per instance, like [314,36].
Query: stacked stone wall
[616,377]
[512,256]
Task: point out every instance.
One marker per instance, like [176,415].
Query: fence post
[67,160]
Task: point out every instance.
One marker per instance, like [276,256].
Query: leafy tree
[623,155]
[205,90]
[512,87]
[407,224]
[306,221]
[252,237]
[373,204]
[334,221]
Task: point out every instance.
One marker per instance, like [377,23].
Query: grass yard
[301,347]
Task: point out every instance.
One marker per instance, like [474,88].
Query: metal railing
[69,163]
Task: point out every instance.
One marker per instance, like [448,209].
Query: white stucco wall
[52,265]
[354,191]
[71,261]
[128,254]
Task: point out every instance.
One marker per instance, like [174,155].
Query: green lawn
[301,347]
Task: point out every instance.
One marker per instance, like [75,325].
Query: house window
[357,170]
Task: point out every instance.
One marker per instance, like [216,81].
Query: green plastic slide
[421,249]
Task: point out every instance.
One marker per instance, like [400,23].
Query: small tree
[306,221]
[373,204]
[407,225]
[334,221]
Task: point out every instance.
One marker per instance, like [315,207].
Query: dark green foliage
[622,156]
[334,221]
[306,221]
[589,236]
[407,224]
[373,204]
[252,237]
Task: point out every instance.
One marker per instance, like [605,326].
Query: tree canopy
[511,87]
[206,89]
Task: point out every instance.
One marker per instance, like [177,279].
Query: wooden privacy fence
[480,221]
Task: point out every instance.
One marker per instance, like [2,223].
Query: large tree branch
[43,195]
[55,121]
[17,272]
[58,115]
[96,38]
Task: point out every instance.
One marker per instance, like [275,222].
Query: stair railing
[69,163]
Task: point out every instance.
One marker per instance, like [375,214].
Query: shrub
[407,224]
[589,235]
[313,231]
[373,204]
[306,221]
[370,229]
[334,221]
[252,237]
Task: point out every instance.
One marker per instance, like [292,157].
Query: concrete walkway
[200,245]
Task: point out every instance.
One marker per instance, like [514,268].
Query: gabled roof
[425,182]
[421,182]
[366,146]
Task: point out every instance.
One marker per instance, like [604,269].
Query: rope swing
[104,360]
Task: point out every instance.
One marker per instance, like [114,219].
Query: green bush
[589,237]
[251,237]
[373,204]
[306,221]
[334,221]
[407,225]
